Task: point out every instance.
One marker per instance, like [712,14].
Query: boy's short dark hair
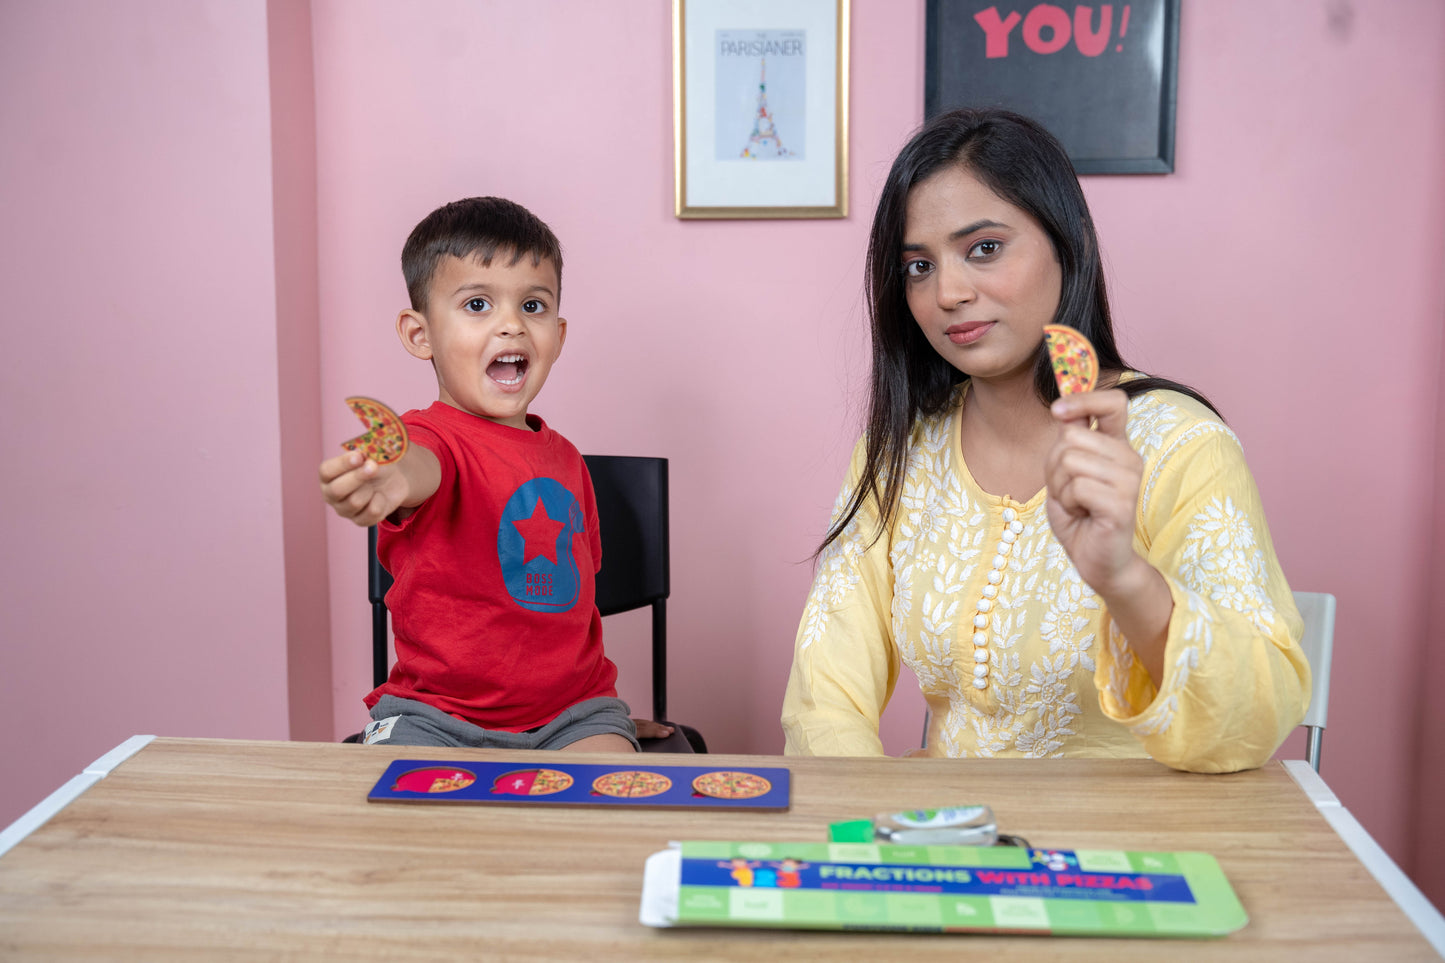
[477,227]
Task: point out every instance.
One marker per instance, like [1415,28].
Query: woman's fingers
[1107,410]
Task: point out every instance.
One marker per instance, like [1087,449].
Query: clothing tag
[378,731]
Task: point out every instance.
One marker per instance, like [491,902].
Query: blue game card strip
[555,783]
[1037,881]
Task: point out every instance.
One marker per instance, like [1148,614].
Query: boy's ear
[411,329]
[561,333]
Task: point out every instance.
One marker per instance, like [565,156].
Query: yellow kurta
[1016,656]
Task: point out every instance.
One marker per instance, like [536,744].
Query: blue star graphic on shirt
[540,535]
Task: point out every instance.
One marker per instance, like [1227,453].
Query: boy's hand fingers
[352,490]
[372,510]
[334,468]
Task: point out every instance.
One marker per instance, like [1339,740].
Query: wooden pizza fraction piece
[725,784]
[385,438]
[434,779]
[631,784]
[531,782]
[1076,365]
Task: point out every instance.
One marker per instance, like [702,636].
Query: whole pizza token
[385,438]
[631,784]
[724,784]
[1076,365]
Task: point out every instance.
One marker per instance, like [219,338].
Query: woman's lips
[967,332]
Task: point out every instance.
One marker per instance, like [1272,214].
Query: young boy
[488,523]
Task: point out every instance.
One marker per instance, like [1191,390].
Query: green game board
[931,889]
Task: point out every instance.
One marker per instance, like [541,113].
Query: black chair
[633,514]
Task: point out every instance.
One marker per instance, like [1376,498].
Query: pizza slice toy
[385,438]
[1076,366]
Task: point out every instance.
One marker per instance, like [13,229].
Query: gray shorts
[406,722]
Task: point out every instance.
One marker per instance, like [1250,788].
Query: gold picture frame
[793,162]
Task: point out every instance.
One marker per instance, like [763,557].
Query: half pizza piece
[1075,363]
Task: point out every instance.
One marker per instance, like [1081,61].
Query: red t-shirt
[493,607]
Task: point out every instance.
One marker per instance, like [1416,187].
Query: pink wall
[142,587]
[1429,800]
[298,368]
[1302,233]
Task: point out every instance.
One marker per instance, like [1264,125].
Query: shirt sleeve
[421,433]
[845,662]
[1235,679]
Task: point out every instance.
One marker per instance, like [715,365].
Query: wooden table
[205,849]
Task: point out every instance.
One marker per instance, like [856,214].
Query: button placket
[1012,528]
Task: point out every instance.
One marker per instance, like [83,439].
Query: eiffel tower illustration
[764,141]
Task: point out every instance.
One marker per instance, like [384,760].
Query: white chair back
[1318,611]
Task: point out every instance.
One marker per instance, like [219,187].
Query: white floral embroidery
[1052,654]
[1150,420]
[838,574]
[1222,559]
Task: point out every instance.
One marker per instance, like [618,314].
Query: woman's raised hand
[1093,478]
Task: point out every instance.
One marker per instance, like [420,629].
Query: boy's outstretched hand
[364,492]
[361,490]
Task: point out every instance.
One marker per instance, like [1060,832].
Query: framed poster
[1101,77]
[760,101]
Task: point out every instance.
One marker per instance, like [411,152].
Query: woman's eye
[477,304]
[985,249]
[533,306]
[917,269]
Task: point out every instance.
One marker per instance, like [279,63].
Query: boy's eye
[985,249]
[477,305]
[533,306]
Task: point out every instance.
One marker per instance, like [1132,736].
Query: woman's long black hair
[1022,163]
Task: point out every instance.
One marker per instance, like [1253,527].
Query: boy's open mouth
[508,369]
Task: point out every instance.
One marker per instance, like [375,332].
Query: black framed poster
[1101,77]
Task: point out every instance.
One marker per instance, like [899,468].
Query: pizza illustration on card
[385,439]
[1075,363]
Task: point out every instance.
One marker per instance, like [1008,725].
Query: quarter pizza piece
[385,439]
[1075,364]
[434,779]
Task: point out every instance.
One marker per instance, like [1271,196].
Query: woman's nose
[955,286]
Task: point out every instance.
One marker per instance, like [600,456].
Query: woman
[1086,576]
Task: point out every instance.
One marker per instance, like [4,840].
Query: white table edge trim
[39,814]
[1399,886]
[118,755]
